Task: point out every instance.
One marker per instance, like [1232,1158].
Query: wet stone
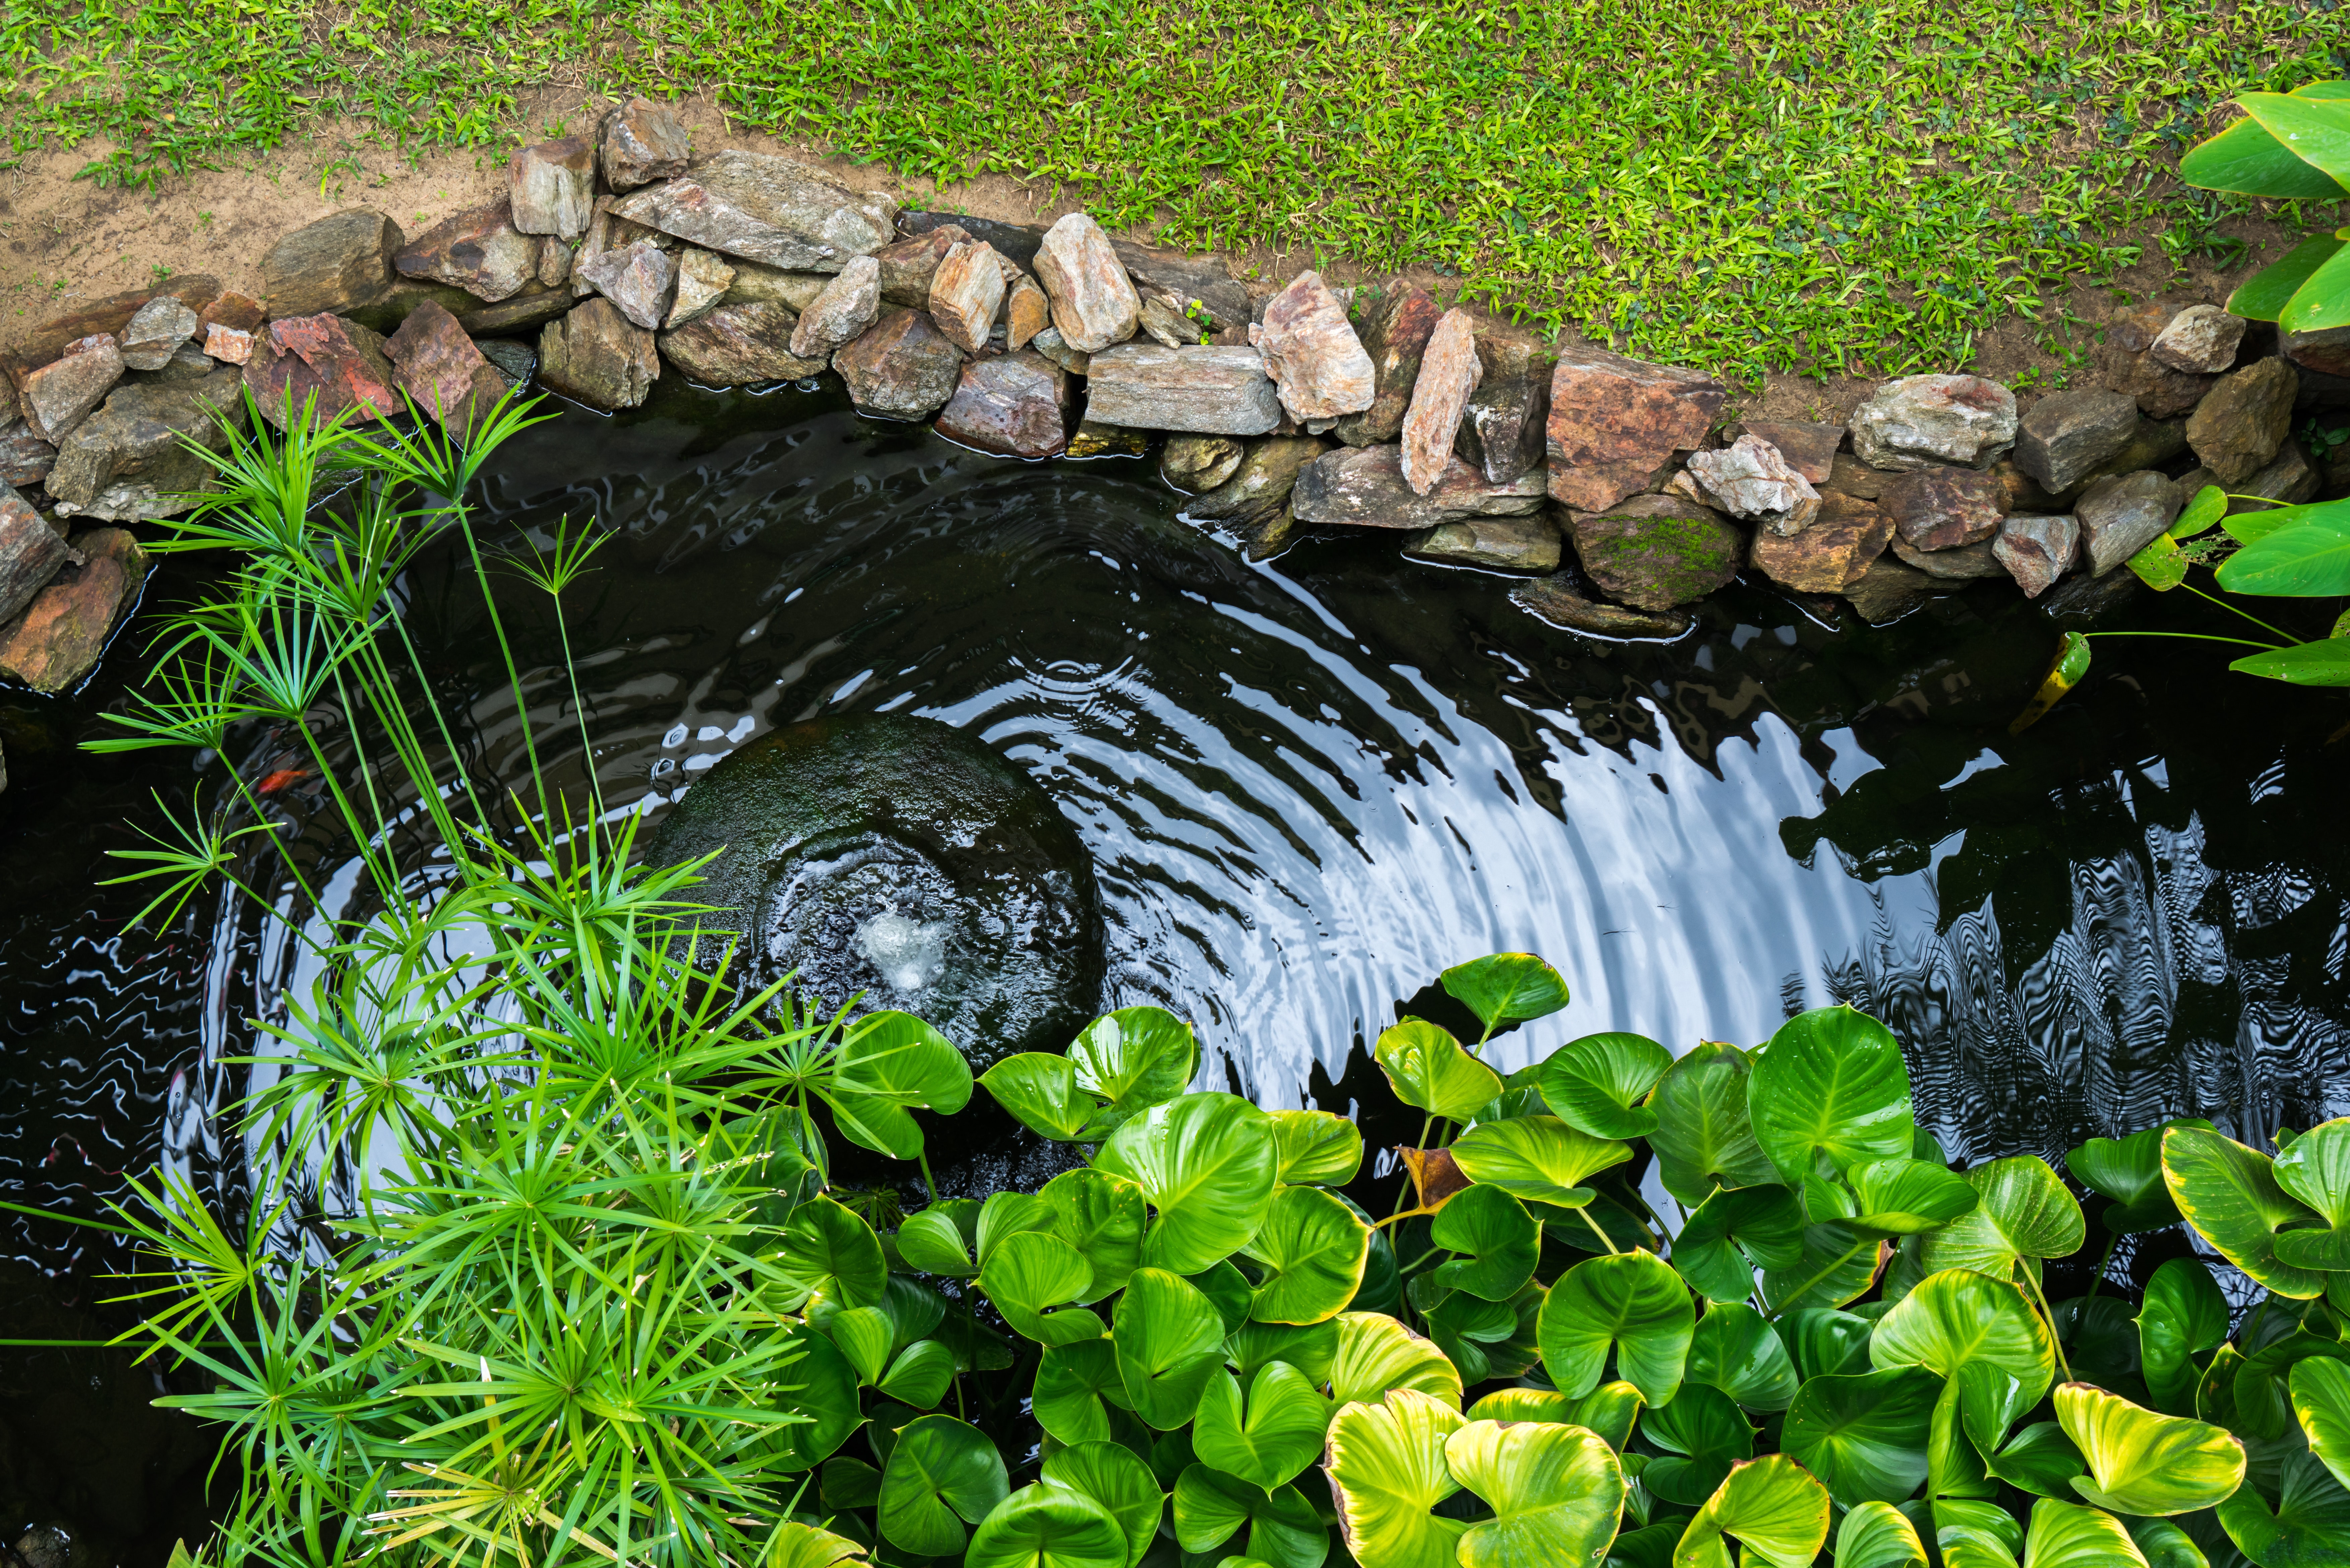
[2242,421]
[1943,508]
[1204,391]
[1920,420]
[58,638]
[479,251]
[2120,515]
[2068,436]
[1394,334]
[1889,590]
[1615,422]
[902,367]
[1654,552]
[1528,545]
[1554,599]
[1502,431]
[598,357]
[1016,405]
[335,263]
[516,362]
[1094,302]
[1194,463]
[1364,487]
[523,313]
[1450,370]
[1830,556]
[643,141]
[30,552]
[1260,488]
[739,346]
[2037,550]
[1959,562]
[1312,353]
[1093,440]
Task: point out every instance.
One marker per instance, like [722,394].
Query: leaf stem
[1583,1213]
[2055,1340]
[2192,635]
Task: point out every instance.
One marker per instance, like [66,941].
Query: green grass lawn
[1749,185]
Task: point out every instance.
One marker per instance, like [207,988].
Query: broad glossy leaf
[1736,1350]
[2321,1403]
[2208,506]
[1170,1341]
[1315,1148]
[1011,1214]
[941,1472]
[1115,1477]
[2246,160]
[2025,1211]
[2309,1527]
[2161,564]
[2323,304]
[896,1061]
[1376,1354]
[1825,1343]
[2143,1462]
[1773,1507]
[2322,663]
[1704,1136]
[1527,1405]
[1032,1272]
[1556,1493]
[1277,1434]
[2183,1314]
[1135,1058]
[2040,1459]
[1703,1433]
[1076,1386]
[2316,1170]
[1865,1436]
[1429,1070]
[1907,1197]
[2164,1544]
[1733,1234]
[2229,1194]
[1838,1265]
[821,1382]
[1632,1303]
[1283,1528]
[1830,1091]
[1878,1535]
[939,1238]
[863,1335]
[2306,559]
[1499,1240]
[2066,1535]
[1102,1216]
[2064,671]
[1041,1092]
[1313,1249]
[2315,130]
[1974,1525]
[1206,1163]
[1311,1349]
[796,1545]
[1595,1084]
[831,1254]
[2265,296]
[920,1375]
[1957,1318]
[2128,1170]
[1502,987]
[1537,1159]
[1048,1525]
[1388,1473]
[1223,1285]
[1954,1465]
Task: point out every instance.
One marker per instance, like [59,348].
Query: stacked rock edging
[1613,488]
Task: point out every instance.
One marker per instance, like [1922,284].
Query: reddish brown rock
[1808,446]
[902,367]
[338,363]
[439,368]
[966,292]
[739,346]
[643,141]
[641,280]
[58,638]
[1958,563]
[335,263]
[60,394]
[2037,550]
[2326,351]
[551,187]
[907,267]
[1395,335]
[598,357]
[110,315]
[1889,590]
[1853,477]
[238,312]
[1943,508]
[1094,302]
[1832,553]
[1449,371]
[1364,487]
[2239,424]
[1615,421]
[479,251]
[30,552]
[1016,405]
[1026,312]
[24,458]
[1312,353]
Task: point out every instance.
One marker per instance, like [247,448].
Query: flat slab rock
[1015,405]
[1494,543]
[902,367]
[30,552]
[1364,487]
[439,367]
[1831,554]
[132,460]
[1918,420]
[1653,552]
[1615,421]
[338,263]
[739,346]
[1808,446]
[1202,390]
[334,360]
[479,251]
[58,638]
[1554,600]
[767,210]
[598,357]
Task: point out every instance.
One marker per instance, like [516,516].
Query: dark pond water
[1307,786]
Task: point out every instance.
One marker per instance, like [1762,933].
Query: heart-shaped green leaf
[1041,1092]
[1865,1436]
[1823,1343]
[920,1375]
[2066,1535]
[1734,1233]
[1030,1272]
[1556,1493]
[1170,1341]
[1133,1059]
[1878,1535]
[1010,1214]
[795,1545]
[1702,1434]
[1837,1266]
[820,1381]
[1115,1477]
[1595,1084]
[1502,988]
[830,1255]
[2229,1194]
[1311,1348]
[2025,1212]
[940,1472]
[2164,1545]
[1277,1434]
[1907,1197]
[1773,1507]
[1704,1137]
[1076,1386]
[1536,1159]
[1958,1318]
[891,1062]
[1048,1525]
[1736,1350]
[1388,1472]
[2183,1314]
[1312,1248]
[1497,1238]
[2041,1461]
[1828,1093]
[2309,1527]
[1632,1303]
[863,1335]
[2316,1170]
[1316,1148]
[2129,1171]
[1429,1070]
[1211,1507]
[939,1240]
[1206,1163]
[1102,1216]
[1376,1354]
[2321,1403]
[2143,1462]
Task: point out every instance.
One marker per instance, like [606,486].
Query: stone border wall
[1612,489]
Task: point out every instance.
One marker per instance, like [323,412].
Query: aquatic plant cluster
[541,1257]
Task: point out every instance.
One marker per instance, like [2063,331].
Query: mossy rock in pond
[902,859]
